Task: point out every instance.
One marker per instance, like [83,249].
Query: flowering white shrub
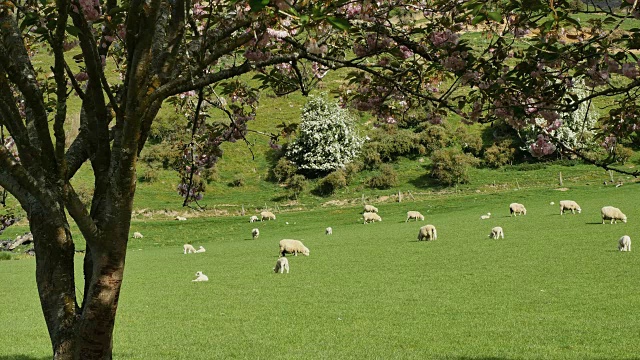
[327,137]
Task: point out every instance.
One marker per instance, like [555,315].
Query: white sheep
[188,249]
[137,235]
[414,215]
[613,214]
[201,249]
[370,208]
[282,265]
[255,233]
[569,205]
[427,232]
[552,203]
[201,277]
[253,218]
[485,216]
[515,209]
[624,244]
[267,215]
[289,246]
[496,233]
[181,218]
[328,231]
[371,217]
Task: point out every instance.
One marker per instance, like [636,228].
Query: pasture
[555,288]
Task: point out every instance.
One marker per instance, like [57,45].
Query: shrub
[370,156]
[165,128]
[5,255]
[332,182]
[435,137]
[471,142]
[327,137]
[164,153]
[621,154]
[392,143]
[149,175]
[351,169]
[296,184]
[283,170]
[451,166]
[210,175]
[499,154]
[386,179]
[238,181]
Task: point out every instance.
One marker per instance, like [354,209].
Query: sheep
[613,214]
[569,205]
[515,209]
[255,233]
[496,233]
[624,244]
[328,231]
[181,218]
[188,249]
[201,277]
[201,249]
[267,215]
[282,265]
[137,235]
[370,208]
[371,217]
[552,203]
[253,218]
[485,217]
[414,215]
[289,246]
[427,232]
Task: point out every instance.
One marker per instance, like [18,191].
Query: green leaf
[257,5]
[495,16]
[72,30]
[340,23]
[478,19]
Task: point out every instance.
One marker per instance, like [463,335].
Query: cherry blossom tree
[408,59]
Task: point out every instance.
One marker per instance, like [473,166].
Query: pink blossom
[541,147]
[630,70]
[444,38]
[81,76]
[406,52]
[68,45]
[90,8]
[278,34]
[555,125]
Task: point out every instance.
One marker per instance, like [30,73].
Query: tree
[160,49]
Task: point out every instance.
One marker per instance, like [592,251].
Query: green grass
[555,288]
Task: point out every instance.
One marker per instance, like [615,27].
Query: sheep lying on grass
[181,218]
[289,246]
[414,215]
[496,232]
[255,233]
[569,205]
[282,265]
[201,277]
[370,208]
[485,216]
[624,244]
[188,249]
[515,209]
[267,215]
[371,217]
[427,232]
[253,218]
[613,214]
[137,235]
[328,231]
[201,249]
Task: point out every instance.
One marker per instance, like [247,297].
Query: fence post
[399,196]
[560,178]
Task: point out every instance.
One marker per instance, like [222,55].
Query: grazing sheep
[427,232]
[267,215]
[371,217]
[137,235]
[496,232]
[282,265]
[253,218]
[201,277]
[515,209]
[201,249]
[181,218]
[624,244]
[370,208]
[414,215]
[328,231]
[289,246]
[569,205]
[485,217]
[255,233]
[188,249]
[613,214]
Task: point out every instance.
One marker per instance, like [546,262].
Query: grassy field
[554,288]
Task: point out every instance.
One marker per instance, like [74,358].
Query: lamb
[181,218]
[624,244]
[267,215]
[569,205]
[289,246]
[137,235]
[427,232]
[414,215]
[188,249]
[201,249]
[328,231]
[255,233]
[370,208]
[515,209]
[613,214]
[485,217]
[496,232]
[201,277]
[253,218]
[371,217]
[282,265]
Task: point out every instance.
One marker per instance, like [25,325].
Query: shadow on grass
[22,357]
[594,223]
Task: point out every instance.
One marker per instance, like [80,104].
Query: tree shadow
[594,223]
[23,357]
[426,181]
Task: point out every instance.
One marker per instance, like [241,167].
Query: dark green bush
[149,175]
[621,154]
[168,128]
[5,256]
[296,184]
[387,178]
[332,182]
[499,154]
[351,169]
[238,181]
[470,142]
[163,153]
[370,156]
[451,166]
[435,137]
[283,170]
